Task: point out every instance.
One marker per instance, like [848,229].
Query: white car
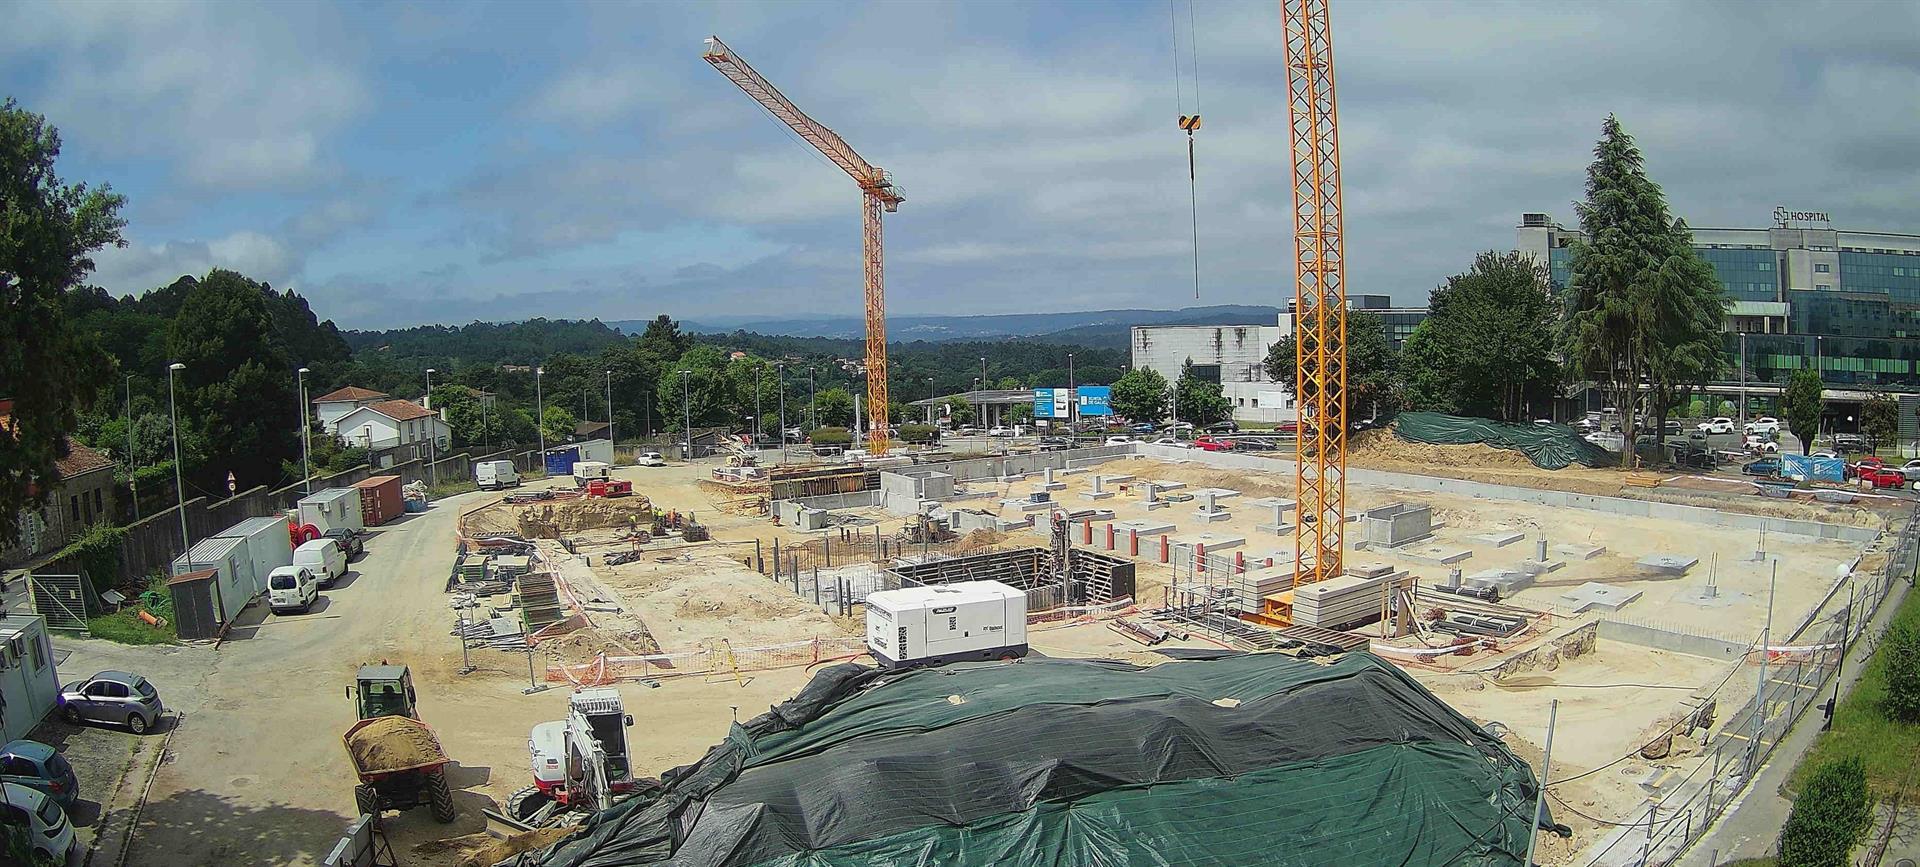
[1912,470]
[1119,440]
[1721,425]
[1760,443]
[1000,432]
[650,459]
[292,588]
[1170,441]
[1824,453]
[1764,426]
[52,835]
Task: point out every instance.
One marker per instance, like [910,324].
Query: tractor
[398,758]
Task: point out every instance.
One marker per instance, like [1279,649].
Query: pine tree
[1644,305]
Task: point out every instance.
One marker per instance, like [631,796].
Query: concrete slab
[1537,567]
[1275,529]
[1115,479]
[1281,503]
[1158,504]
[1698,598]
[1209,516]
[1506,581]
[1167,485]
[1498,538]
[1370,570]
[1144,528]
[1579,552]
[1098,495]
[1027,505]
[1218,493]
[1600,597]
[1214,542]
[1667,564]
[1050,486]
[1438,555]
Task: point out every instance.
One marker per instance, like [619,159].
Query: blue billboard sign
[1096,400]
[1043,403]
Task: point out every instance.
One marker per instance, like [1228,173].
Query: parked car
[969,431]
[650,459]
[1764,425]
[1912,469]
[1671,428]
[1847,442]
[1170,441]
[112,697]
[323,558]
[1055,444]
[1882,477]
[1761,443]
[1000,432]
[39,767]
[1141,428]
[1118,440]
[52,834]
[292,588]
[1718,425]
[1287,427]
[1763,467]
[1857,468]
[352,542]
[1212,444]
[1823,453]
[1223,427]
[1178,426]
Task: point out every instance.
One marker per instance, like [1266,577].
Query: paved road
[256,774]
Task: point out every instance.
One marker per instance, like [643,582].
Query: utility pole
[1073,396]
[306,470]
[1540,796]
[929,400]
[433,451]
[1760,692]
[780,374]
[1743,382]
[133,488]
[686,407]
[813,392]
[179,487]
[611,439]
[539,417]
[752,432]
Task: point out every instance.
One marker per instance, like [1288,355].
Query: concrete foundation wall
[1557,499]
[830,502]
[1665,638]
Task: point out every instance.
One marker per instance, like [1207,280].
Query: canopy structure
[1239,759]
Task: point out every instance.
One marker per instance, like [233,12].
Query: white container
[496,474]
[323,558]
[268,545]
[585,471]
[332,509]
[232,561]
[970,620]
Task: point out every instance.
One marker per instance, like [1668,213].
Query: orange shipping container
[380,499]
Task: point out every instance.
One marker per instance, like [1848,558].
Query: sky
[439,162]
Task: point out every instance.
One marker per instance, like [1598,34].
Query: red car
[1855,469]
[1882,477]
[1212,444]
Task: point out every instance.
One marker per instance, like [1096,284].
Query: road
[256,773]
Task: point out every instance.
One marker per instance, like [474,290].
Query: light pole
[611,439]
[306,467]
[433,452]
[179,487]
[813,392]
[980,384]
[1073,396]
[686,409]
[780,374]
[753,433]
[1743,381]
[133,487]
[929,400]
[1176,411]
[539,417]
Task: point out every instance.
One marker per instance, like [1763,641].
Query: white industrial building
[29,683]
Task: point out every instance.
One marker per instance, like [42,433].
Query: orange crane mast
[1320,302]
[877,193]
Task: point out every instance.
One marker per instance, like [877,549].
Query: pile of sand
[1383,447]
[589,642]
[483,849]
[982,538]
[393,743]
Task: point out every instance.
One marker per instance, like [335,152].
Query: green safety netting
[1242,759]
[1550,447]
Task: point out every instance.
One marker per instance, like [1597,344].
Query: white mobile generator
[941,623]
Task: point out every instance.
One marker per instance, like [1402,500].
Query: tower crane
[1320,302]
[877,193]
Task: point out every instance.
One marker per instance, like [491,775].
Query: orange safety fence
[720,659]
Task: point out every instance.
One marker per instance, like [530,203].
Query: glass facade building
[1803,296]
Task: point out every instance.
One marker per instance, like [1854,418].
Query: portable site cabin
[197,604]
[560,460]
[332,509]
[233,565]
[596,450]
[268,544]
[29,684]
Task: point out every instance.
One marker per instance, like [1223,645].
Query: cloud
[138,266]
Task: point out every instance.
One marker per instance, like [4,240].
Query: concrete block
[1595,596]
[1284,505]
[1280,529]
[1167,485]
[1438,555]
[1214,542]
[1498,538]
[1098,495]
[812,519]
[1369,570]
[1115,478]
[1027,505]
[1145,528]
[1539,567]
[1396,524]
[1579,552]
[1050,486]
[1666,564]
[1217,493]
[1207,516]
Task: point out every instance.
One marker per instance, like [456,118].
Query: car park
[352,542]
[117,697]
[1170,441]
[1055,444]
[52,835]
[1762,467]
[1719,425]
[39,767]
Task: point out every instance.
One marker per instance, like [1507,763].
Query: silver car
[112,697]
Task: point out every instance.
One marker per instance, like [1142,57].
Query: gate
[60,599]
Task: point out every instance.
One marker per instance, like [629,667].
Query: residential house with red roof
[388,423]
[330,407]
[83,496]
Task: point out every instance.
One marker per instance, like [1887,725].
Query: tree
[1900,651]
[49,367]
[1644,307]
[1800,407]
[1140,395]
[1486,347]
[958,411]
[1830,816]
[1199,401]
[1880,420]
[1370,366]
[237,384]
[836,408]
[557,423]
[1019,413]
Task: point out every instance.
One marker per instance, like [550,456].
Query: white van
[323,558]
[496,474]
[291,588]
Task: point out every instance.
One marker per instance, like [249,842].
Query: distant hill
[1092,327]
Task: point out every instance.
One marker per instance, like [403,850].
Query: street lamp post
[753,433]
[929,400]
[433,453]
[1073,396]
[611,439]
[980,384]
[179,487]
[780,374]
[306,467]
[813,392]
[133,488]
[1743,381]
[686,409]
[539,416]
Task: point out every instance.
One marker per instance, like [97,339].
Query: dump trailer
[397,757]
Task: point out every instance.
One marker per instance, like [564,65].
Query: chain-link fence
[1791,674]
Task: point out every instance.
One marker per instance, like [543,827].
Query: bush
[830,436]
[126,627]
[1901,648]
[1829,818]
[917,433]
[97,552]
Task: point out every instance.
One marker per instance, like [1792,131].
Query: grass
[125,625]
[1753,862]
[448,489]
[1860,728]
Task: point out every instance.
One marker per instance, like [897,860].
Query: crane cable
[1188,123]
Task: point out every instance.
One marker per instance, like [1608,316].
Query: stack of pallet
[538,600]
[473,568]
[1346,601]
[511,567]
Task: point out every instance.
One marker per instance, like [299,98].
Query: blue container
[560,461]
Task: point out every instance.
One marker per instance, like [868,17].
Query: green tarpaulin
[1239,760]
[1549,446]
